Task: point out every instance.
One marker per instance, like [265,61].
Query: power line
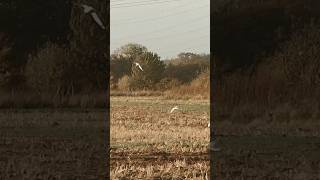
[134,2]
[186,3]
[129,1]
[162,17]
[142,4]
[159,17]
[170,27]
[138,3]
[117,0]
[176,43]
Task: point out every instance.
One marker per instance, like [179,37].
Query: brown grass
[197,89]
[289,77]
[148,142]
[135,93]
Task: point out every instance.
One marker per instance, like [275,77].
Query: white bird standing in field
[137,64]
[174,108]
[88,9]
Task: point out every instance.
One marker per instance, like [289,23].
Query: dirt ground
[267,157]
[52,144]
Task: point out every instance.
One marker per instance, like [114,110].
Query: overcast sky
[166,27]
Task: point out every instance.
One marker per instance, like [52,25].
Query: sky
[167,27]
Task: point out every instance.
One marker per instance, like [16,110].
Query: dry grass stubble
[149,142]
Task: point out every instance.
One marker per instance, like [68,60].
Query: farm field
[285,148]
[148,142]
[268,157]
[52,144]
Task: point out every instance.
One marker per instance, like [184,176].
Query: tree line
[156,74]
[266,54]
[245,31]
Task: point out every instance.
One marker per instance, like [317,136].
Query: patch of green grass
[162,104]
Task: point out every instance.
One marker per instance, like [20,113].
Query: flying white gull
[174,108]
[88,9]
[137,64]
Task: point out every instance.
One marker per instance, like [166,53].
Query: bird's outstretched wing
[140,67]
[137,64]
[87,8]
[174,108]
[97,20]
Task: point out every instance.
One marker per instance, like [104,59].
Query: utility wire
[138,3]
[142,1]
[142,4]
[161,17]
[151,2]
[166,9]
[191,21]
[135,2]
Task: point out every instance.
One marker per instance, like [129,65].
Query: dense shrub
[300,56]
[119,67]
[152,73]
[187,66]
[50,70]
[288,77]
[202,81]
[124,83]
[199,88]
[122,60]
[167,83]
